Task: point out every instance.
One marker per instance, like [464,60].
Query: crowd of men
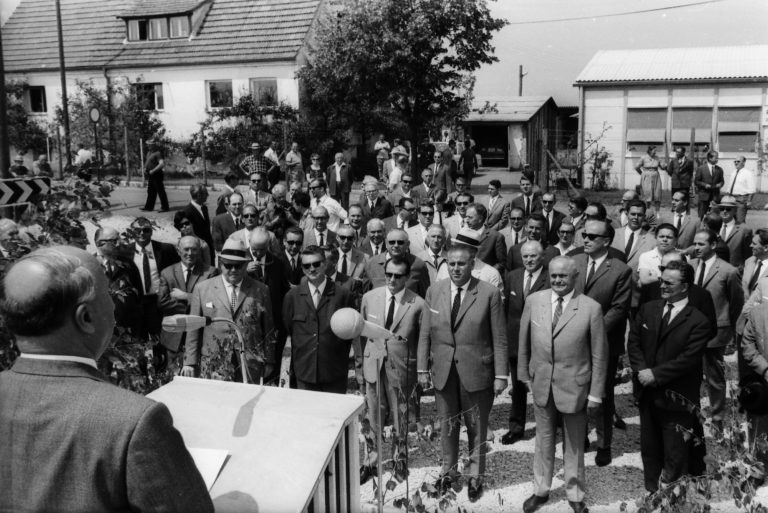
[474,293]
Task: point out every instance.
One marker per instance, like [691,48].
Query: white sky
[554,53]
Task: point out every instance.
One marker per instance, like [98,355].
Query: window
[684,119]
[158,28]
[149,96]
[645,127]
[219,93]
[35,100]
[137,30]
[737,128]
[179,26]
[264,91]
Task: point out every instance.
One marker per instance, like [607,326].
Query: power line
[627,13]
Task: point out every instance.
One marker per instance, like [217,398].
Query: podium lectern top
[282,443]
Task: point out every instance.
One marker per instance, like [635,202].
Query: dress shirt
[336,213]
[516,239]
[598,262]
[708,269]
[650,261]
[184,272]
[317,236]
[534,276]
[678,215]
[637,233]
[337,168]
[228,288]
[481,271]
[236,220]
[271,155]
[138,259]
[398,300]
[61,358]
[290,257]
[564,251]
[320,289]
[491,202]
[677,307]
[728,227]
[341,260]
[576,220]
[374,246]
[745,183]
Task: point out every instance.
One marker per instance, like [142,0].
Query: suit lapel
[711,274]
[679,318]
[405,304]
[178,275]
[221,294]
[242,292]
[469,299]
[735,230]
[604,268]
[326,295]
[567,315]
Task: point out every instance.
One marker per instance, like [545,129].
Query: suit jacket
[723,283]
[509,238]
[398,357]
[418,242]
[359,238]
[498,216]
[515,258]
[739,241]
[611,287]
[477,345]
[276,280]
[365,246]
[165,254]
[390,223]
[714,179]
[261,199]
[318,355]
[292,275]
[673,354]
[345,185]
[550,234]
[310,240]
[519,202]
[74,442]
[172,277]
[442,181]
[429,262]
[612,253]
[698,297]
[201,224]
[222,200]
[642,243]
[514,285]
[681,175]
[417,194]
[222,227]
[568,361]
[492,249]
[749,269]
[418,280]
[687,229]
[355,264]
[381,208]
[253,313]
[755,341]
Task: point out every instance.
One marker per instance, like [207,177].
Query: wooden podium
[288,450]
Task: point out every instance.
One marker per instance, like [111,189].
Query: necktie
[187,273]
[527,207]
[259,271]
[723,232]
[733,184]
[515,244]
[558,312]
[316,298]
[205,213]
[233,300]
[237,223]
[702,271]
[528,282]
[455,307]
[630,242]
[667,316]
[371,206]
[322,239]
[390,313]
[436,259]
[376,250]
[344,264]
[591,273]
[755,276]
[549,222]
[147,272]
[679,221]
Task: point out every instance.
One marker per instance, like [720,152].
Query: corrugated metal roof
[507,109]
[233,31]
[706,63]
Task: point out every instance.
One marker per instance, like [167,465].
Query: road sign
[14,191]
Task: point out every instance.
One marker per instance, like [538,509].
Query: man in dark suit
[229,222]
[681,219]
[71,440]
[680,170]
[398,245]
[197,213]
[373,244]
[534,230]
[373,204]
[553,218]
[563,358]
[291,257]
[498,207]
[519,284]
[339,180]
[665,347]
[493,249]
[709,178]
[405,218]
[319,357]
[528,202]
[737,236]
[319,234]
[609,282]
[406,189]
[466,354]
[351,260]
[231,181]
[356,220]
[150,257]
[177,282]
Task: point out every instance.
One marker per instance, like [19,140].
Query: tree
[25,134]
[404,60]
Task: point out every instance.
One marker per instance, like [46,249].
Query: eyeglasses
[427,212]
[312,188]
[144,230]
[397,242]
[185,223]
[412,209]
[515,218]
[726,209]
[396,276]
[593,236]
[345,237]
[103,242]
[256,181]
[566,232]
[320,218]
[232,266]
[407,181]
[312,265]
[250,215]
[293,242]
[547,202]
[462,202]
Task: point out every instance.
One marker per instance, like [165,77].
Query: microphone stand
[240,340]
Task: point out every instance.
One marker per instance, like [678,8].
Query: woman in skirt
[650,180]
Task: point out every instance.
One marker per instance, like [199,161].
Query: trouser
[334,387]
[714,374]
[741,208]
[155,188]
[393,398]
[663,448]
[574,431]
[519,395]
[604,419]
[703,207]
[453,402]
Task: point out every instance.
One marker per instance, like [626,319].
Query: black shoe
[603,457]
[619,423]
[578,507]
[145,209]
[474,489]
[534,502]
[509,438]
[443,484]
[366,472]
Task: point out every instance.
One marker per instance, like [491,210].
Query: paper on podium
[278,440]
[208,462]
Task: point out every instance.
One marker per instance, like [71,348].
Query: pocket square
[535,323]
[372,316]
[514,293]
[209,304]
[434,311]
[645,326]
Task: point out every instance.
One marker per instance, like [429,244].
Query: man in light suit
[634,240]
[665,346]
[608,281]
[756,266]
[737,236]
[682,220]
[229,222]
[339,180]
[680,171]
[418,234]
[434,256]
[709,179]
[71,440]
[520,284]
[320,234]
[404,190]
[528,201]
[463,343]
[514,233]
[563,358]
[398,245]
[236,297]
[351,260]
[722,281]
[498,207]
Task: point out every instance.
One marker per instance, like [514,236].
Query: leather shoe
[443,484]
[578,507]
[534,502]
[145,209]
[474,489]
[509,438]
[603,457]
[366,472]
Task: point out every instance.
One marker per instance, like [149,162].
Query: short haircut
[684,195]
[526,178]
[437,226]
[295,230]
[141,222]
[399,260]
[637,204]
[235,194]
[195,188]
[356,207]
[601,212]
[714,222]
[330,251]
[178,217]
[667,226]
[762,233]
[522,212]
[374,222]
[313,250]
[404,200]
[711,153]
[580,202]
[538,218]
[685,269]
[466,195]
[250,206]
[495,183]
[301,198]
[480,209]
[711,235]
[68,284]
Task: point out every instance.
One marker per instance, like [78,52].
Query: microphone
[180,323]
[348,323]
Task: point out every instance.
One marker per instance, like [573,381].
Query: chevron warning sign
[19,190]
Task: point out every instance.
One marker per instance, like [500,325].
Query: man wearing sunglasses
[404,190]
[373,204]
[319,234]
[514,232]
[405,218]
[458,221]
[351,261]
[320,198]
[398,244]
[255,192]
[319,357]
[552,217]
[736,235]
[418,234]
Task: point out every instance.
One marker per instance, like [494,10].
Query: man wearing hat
[680,170]
[480,269]
[400,157]
[18,168]
[737,236]
[236,297]
[255,163]
[153,170]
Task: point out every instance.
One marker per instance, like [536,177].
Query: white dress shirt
[316,292]
[138,259]
[677,307]
[398,300]
[745,183]
[598,262]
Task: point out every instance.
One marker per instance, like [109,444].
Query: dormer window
[152,29]
[179,26]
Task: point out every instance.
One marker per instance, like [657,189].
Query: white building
[186,56]
[658,96]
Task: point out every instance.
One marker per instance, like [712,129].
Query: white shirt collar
[61,358]
[535,275]
[731,224]
[229,286]
[677,307]
[454,288]
[566,299]
[320,288]
[598,262]
[398,296]
[147,248]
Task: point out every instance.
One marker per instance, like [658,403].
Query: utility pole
[63,74]
[5,145]
[520,90]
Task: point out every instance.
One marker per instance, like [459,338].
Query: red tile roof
[94,37]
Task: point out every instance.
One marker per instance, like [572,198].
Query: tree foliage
[405,60]
[25,133]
